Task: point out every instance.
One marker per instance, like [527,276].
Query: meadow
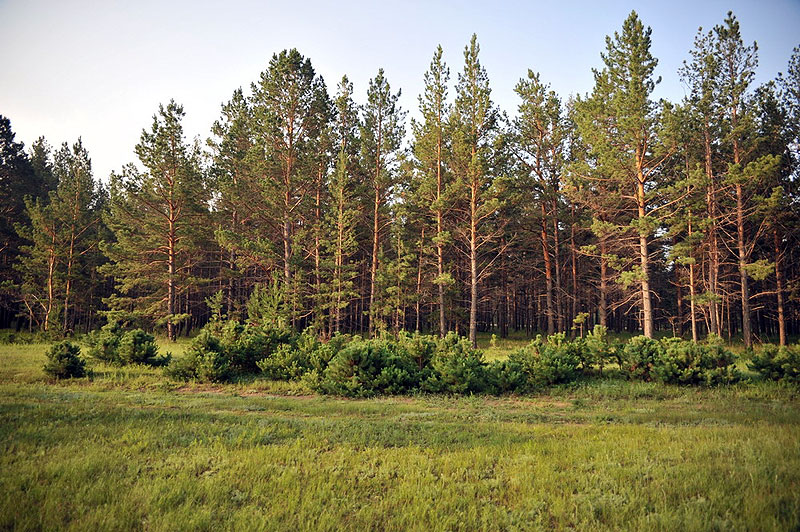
[130,449]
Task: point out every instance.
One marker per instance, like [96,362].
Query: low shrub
[204,361]
[286,363]
[544,362]
[64,361]
[223,350]
[10,336]
[598,349]
[305,354]
[246,345]
[507,376]
[686,362]
[456,367]
[367,367]
[103,343]
[420,347]
[113,345]
[640,355]
[777,363]
[139,347]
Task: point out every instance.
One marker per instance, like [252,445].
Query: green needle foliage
[156,216]
[64,361]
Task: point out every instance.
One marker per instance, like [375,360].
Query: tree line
[607,208]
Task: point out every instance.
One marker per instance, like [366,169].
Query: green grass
[130,450]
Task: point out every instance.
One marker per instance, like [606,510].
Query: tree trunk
[375,224]
[317,229]
[68,280]
[692,292]
[747,334]
[559,307]
[374,267]
[171,277]
[602,309]
[473,258]
[679,297]
[548,274]
[419,281]
[779,287]
[574,258]
[439,228]
[711,203]
[473,273]
[644,258]
[51,272]
[287,245]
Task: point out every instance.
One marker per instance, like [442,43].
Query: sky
[99,69]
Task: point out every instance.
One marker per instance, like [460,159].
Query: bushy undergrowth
[457,368]
[678,361]
[684,362]
[777,363]
[224,350]
[206,361]
[304,356]
[64,361]
[9,337]
[640,356]
[368,367]
[409,363]
[114,345]
[541,363]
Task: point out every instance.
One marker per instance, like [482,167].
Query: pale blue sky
[98,69]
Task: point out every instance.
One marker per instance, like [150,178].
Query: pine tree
[17,179]
[744,173]
[286,121]
[156,217]
[775,205]
[382,133]
[789,103]
[64,235]
[474,124]
[619,125]
[39,264]
[430,150]
[236,189]
[688,220]
[341,215]
[540,136]
[323,149]
[701,74]
[76,204]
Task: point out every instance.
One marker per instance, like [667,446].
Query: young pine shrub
[777,363]
[305,354]
[64,361]
[249,344]
[204,361]
[508,376]
[640,357]
[364,368]
[139,347]
[686,362]
[420,347]
[113,345]
[545,362]
[285,363]
[457,368]
[103,343]
[598,348]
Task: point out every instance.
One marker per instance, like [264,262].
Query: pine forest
[610,208]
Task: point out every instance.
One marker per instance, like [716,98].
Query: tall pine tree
[156,217]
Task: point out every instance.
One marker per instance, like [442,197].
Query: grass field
[132,450]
